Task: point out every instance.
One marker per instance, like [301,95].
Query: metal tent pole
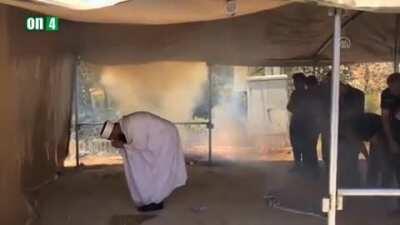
[210,123]
[334,120]
[76,95]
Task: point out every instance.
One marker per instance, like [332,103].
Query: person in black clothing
[390,105]
[352,102]
[388,149]
[312,126]
[298,120]
[351,109]
[366,128]
[379,173]
[324,93]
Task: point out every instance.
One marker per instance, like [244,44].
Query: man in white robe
[153,159]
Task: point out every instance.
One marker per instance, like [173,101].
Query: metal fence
[195,140]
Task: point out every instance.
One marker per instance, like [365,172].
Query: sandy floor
[229,194]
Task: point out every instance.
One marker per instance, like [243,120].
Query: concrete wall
[35,105]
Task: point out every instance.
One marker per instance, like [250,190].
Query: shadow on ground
[129,219]
[226,194]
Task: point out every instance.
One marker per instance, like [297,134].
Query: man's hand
[117,144]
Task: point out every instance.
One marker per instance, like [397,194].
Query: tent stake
[334,126]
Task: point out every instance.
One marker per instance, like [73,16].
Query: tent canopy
[177,11]
[294,34]
[274,32]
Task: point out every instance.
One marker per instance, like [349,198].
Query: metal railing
[93,146]
[368,192]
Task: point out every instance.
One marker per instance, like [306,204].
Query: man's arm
[394,147]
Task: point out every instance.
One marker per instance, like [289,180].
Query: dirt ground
[224,194]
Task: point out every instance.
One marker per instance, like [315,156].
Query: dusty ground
[225,194]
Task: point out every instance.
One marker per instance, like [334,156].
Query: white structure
[267,114]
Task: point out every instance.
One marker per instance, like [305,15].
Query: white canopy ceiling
[176,11]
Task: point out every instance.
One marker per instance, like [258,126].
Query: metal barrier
[369,192]
[87,146]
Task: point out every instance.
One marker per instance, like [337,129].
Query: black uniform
[392,103]
[382,159]
[312,127]
[298,121]
[351,110]
[350,141]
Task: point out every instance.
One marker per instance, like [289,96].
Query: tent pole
[396,45]
[76,112]
[334,127]
[210,121]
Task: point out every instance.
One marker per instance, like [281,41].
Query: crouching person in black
[384,160]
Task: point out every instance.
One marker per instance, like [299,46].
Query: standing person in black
[390,105]
[351,109]
[312,126]
[298,120]
[324,94]
[352,101]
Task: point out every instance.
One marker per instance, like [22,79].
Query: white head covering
[107,129]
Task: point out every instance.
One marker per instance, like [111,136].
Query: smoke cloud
[173,90]
[169,89]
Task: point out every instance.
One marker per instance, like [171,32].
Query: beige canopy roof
[295,34]
[273,32]
[176,11]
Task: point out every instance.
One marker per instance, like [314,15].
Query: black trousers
[349,175]
[383,167]
[304,138]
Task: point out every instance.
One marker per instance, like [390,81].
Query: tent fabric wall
[11,204]
[36,83]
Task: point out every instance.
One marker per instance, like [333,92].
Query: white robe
[153,159]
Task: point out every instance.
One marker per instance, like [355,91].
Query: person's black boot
[151,207]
